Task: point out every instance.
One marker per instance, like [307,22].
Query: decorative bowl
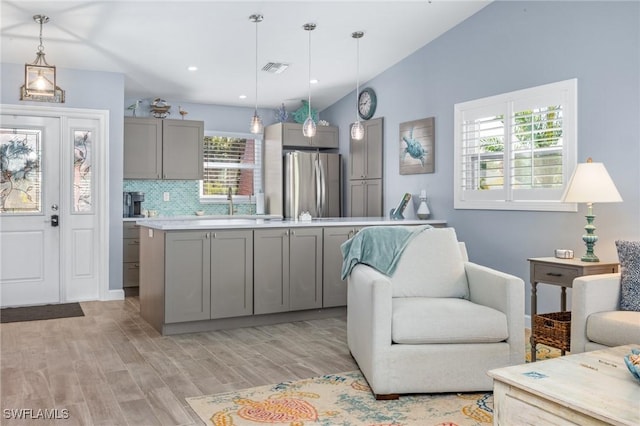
[633,362]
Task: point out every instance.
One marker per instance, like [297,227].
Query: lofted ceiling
[153,42]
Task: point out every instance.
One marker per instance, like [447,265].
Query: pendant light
[357,129]
[309,126]
[39,76]
[256,122]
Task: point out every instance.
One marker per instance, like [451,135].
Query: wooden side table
[560,272]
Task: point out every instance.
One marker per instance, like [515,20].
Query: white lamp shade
[591,183]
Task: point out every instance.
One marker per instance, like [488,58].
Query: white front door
[53,205]
[29,199]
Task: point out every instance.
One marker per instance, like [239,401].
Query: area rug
[43,312]
[344,399]
[339,399]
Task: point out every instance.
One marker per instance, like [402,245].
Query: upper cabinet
[365,156]
[163,149]
[291,136]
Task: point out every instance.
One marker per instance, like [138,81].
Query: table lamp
[590,183]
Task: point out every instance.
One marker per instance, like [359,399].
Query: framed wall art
[417,146]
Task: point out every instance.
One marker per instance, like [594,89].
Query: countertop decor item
[423,210]
[590,183]
[182,112]
[160,108]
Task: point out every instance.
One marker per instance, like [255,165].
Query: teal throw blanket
[378,246]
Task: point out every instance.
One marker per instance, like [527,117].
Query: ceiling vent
[275,67]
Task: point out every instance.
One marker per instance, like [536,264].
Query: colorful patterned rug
[343,399]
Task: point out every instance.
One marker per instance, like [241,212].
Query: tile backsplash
[184,198]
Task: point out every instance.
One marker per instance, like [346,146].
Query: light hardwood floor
[111,368]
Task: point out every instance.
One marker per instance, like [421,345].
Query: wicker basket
[553,329]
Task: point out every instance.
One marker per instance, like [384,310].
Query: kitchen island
[216,273]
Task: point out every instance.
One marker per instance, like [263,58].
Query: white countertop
[239,222]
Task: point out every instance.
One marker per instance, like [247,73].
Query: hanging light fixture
[309,126]
[256,121]
[357,129]
[39,76]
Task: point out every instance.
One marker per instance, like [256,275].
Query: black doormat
[43,312]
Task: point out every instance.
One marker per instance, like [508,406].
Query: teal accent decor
[301,114]
[184,198]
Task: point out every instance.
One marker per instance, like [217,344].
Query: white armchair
[596,321]
[438,324]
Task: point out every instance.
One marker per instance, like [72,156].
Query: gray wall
[493,52]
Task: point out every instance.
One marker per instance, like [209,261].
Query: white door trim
[102,250]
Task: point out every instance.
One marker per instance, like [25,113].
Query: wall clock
[367,103]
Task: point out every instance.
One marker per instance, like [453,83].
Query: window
[516,151]
[231,161]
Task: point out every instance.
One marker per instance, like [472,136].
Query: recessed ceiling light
[192,68]
[313,81]
[243,96]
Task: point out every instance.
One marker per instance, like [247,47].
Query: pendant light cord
[309,83]
[357,76]
[256,70]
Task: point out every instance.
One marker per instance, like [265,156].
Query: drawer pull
[554,274]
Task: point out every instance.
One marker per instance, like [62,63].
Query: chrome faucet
[230,198]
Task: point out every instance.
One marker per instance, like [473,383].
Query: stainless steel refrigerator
[311,184]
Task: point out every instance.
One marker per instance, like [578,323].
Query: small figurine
[160,108]
[182,112]
[133,107]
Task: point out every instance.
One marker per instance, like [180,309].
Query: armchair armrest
[369,310]
[503,292]
[590,294]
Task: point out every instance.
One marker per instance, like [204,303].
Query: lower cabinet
[334,288]
[208,275]
[287,269]
[365,198]
[130,255]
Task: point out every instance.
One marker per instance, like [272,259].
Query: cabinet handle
[554,274]
[206,235]
[286,233]
[293,233]
[135,242]
[215,235]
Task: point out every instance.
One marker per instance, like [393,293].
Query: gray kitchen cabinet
[334,288]
[130,255]
[290,135]
[365,156]
[365,172]
[187,268]
[163,149]
[231,273]
[287,269]
[365,198]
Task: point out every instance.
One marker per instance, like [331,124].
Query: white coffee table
[591,388]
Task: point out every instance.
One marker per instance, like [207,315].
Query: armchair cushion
[424,320]
[432,265]
[614,328]
[629,255]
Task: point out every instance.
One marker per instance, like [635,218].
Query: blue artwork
[417,146]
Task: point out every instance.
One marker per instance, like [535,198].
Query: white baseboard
[117,294]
